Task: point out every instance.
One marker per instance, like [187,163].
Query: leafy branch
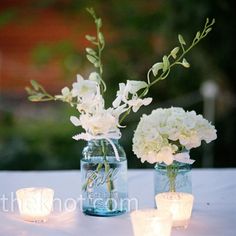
[37,93]
[95,56]
[165,66]
[161,70]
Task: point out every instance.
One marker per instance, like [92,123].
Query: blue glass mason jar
[173,178]
[104,179]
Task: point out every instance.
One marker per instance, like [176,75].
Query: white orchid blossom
[92,103]
[94,118]
[83,87]
[133,86]
[130,88]
[138,102]
[66,95]
[128,94]
[94,76]
[119,110]
[121,95]
[103,122]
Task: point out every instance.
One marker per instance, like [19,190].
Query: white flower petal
[79,77]
[117,101]
[134,86]
[147,101]
[75,121]
[94,76]
[65,91]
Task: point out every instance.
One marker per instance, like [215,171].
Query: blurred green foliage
[143,32]
[70,59]
[7,16]
[39,143]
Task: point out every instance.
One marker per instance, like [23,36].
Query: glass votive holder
[151,222]
[179,204]
[35,204]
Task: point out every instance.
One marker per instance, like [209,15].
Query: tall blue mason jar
[104,179]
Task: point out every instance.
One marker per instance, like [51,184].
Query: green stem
[172,172]
[124,116]
[108,180]
[100,46]
[99,53]
[45,100]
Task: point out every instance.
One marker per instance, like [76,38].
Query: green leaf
[181,39]
[29,90]
[101,38]
[185,63]
[156,67]
[90,51]
[166,63]
[35,85]
[36,97]
[90,38]
[92,59]
[174,52]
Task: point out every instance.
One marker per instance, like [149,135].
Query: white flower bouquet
[167,135]
[86,95]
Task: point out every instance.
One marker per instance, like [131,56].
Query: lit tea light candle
[35,204]
[151,222]
[179,204]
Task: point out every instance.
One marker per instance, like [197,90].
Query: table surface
[214,211]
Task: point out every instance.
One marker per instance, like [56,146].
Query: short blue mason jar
[173,178]
[104,179]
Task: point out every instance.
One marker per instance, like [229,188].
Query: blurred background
[44,40]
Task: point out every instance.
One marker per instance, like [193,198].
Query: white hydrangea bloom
[165,132]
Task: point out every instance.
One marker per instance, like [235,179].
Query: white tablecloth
[214,212]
